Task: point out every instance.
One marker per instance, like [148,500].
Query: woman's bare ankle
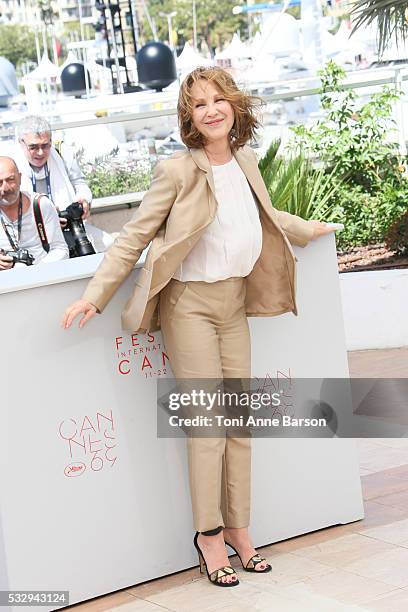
[236,533]
[215,553]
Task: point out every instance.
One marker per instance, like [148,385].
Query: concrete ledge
[117,202]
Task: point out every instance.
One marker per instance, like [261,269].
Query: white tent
[255,44]
[367,35]
[351,45]
[45,71]
[235,50]
[71,59]
[279,35]
[262,69]
[331,45]
[46,75]
[190,59]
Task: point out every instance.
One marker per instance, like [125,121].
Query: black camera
[19,256]
[74,232]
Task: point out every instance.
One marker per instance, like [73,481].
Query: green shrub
[366,218]
[108,176]
[353,136]
[353,139]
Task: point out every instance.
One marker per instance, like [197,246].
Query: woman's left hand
[320,228]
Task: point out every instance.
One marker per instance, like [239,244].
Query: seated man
[18,227]
[54,173]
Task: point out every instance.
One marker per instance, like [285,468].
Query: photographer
[19,233]
[54,172]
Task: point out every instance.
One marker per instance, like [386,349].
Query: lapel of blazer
[202,161]
[249,168]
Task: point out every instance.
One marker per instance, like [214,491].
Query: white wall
[125,517]
[375,308]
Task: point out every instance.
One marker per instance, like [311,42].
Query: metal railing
[284,91]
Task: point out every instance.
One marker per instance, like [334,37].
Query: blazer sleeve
[121,257]
[298,230]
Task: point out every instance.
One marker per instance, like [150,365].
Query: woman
[219,252]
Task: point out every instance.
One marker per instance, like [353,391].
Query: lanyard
[47,180]
[14,245]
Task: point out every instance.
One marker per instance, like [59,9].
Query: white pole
[83,50]
[311,23]
[38,49]
[44,38]
[37,44]
[47,83]
[135,23]
[399,111]
[24,11]
[81,25]
[170,32]
[194,26]
[150,20]
[86,73]
[54,45]
[115,52]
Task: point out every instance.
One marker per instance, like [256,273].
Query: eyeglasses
[37,147]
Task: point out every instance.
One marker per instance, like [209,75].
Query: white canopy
[351,45]
[331,45]
[71,59]
[45,71]
[235,50]
[255,43]
[279,35]
[190,59]
[263,68]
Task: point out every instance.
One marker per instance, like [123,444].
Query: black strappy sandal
[253,561]
[216,576]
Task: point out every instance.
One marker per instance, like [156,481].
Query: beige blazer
[172,216]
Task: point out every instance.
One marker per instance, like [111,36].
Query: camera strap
[47,181]
[12,240]
[40,222]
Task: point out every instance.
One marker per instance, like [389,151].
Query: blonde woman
[219,252]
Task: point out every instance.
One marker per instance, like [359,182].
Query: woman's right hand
[78,307]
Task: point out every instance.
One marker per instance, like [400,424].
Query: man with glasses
[53,172]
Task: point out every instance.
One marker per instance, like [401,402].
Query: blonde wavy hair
[245,106]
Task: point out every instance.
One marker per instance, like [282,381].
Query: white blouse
[232,243]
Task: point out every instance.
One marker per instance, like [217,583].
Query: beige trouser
[206,335]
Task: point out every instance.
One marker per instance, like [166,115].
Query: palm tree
[390,15]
